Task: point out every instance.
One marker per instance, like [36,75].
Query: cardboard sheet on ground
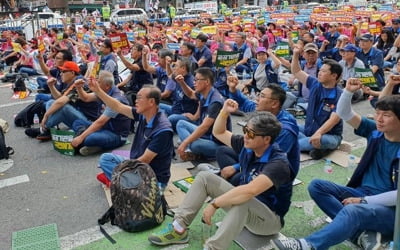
[249,241]
[173,195]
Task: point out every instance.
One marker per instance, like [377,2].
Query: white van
[128,14]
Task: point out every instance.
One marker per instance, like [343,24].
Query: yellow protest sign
[209,30]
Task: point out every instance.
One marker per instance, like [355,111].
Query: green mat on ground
[38,238]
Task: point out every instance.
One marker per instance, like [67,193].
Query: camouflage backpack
[138,204]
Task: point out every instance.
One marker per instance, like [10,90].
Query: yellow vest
[105,11]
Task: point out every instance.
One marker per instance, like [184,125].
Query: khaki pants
[253,215]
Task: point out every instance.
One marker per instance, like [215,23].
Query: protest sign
[119,40]
[62,141]
[366,77]
[226,58]
[282,49]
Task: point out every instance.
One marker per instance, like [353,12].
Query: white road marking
[86,236]
[14,180]
[15,103]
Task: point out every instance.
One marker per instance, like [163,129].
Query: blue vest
[121,124]
[220,82]
[103,62]
[213,96]
[376,138]
[278,200]
[162,78]
[241,50]
[144,134]
[180,102]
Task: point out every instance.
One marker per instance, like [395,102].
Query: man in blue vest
[109,60]
[372,58]
[261,200]
[270,99]
[245,54]
[323,128]
[365,208]
[68,105]
[152,143]
[197,139]
[202,53]
[107,132]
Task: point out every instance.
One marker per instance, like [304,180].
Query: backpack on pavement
[5,151]
[137,203]
[25,118]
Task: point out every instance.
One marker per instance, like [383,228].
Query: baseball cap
[261,49]
[311,47]
[396,21]
[70,65]
[350,47]
[367,37]
[341,37]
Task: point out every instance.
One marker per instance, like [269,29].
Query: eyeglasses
[199,79]
[251,133]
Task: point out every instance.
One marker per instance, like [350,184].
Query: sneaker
[103,179]
[317,154]
[168,236]
[286,244]
[370,240]
[44,136]
[208,167]
[85,150]
[32,132]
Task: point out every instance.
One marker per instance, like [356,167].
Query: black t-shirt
[277,170]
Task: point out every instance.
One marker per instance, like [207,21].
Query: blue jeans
[29,71]
[42,82]
[66,114]
[43,97]
[200,146]
[109,161]
[166,108]
[104,138]
[327,141]
[350,220]
[175,118]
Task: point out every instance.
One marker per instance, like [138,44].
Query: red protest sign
[119,40]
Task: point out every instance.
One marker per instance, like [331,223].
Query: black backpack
[5,151]
[19,84]
[137,203]
[25,117]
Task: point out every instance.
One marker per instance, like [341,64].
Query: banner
[62,141]
[194,33]
[86,39]
[173,46]
[282,49]
[366,77]
[119,40]
[130,36]
[224,26]
[226,58]
[209,30]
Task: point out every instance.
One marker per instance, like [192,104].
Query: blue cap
[367,37]
[350,47]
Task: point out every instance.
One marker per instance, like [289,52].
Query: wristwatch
[213,204]
[363,201]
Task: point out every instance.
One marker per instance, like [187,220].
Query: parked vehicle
[128,14]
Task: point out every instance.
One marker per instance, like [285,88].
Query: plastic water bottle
[253,95]
[328,166]
[36,119]
[245,75]
[351,165]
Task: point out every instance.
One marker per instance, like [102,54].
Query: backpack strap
[108,216]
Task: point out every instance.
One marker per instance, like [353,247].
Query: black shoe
[32,132]
[317,154]
[45,136]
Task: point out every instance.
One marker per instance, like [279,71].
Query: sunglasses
[251,133]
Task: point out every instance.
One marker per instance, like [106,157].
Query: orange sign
[119,40]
